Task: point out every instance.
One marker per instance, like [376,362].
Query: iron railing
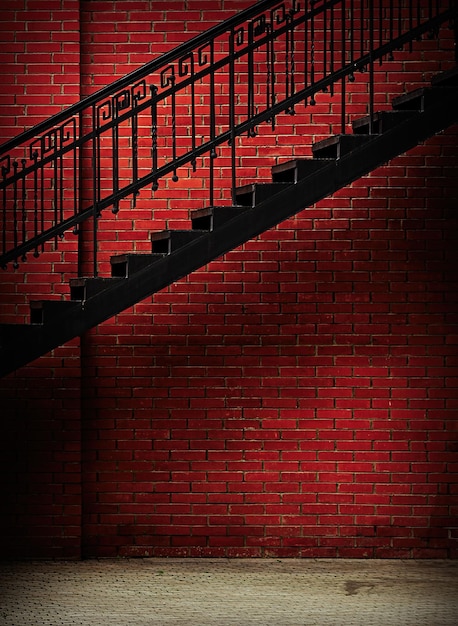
[179,109]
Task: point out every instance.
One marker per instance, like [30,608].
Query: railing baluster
[312,51]
[343,81]
[371,68]
[23,206]
[292,58]
[212,155]
[361,32]
[134,139]
[5,171]
[15,239]
[391,35]
[115,156]
[95,187]
[193,115]
[332,43]
[77,174]
[351,76]
[35,193]
[154,130]
[273,78]
[325,42]
[287,70]
[55,168]
[250,95]
[174,128]
[42,196]
[410,18]
[232,139]
[61,191]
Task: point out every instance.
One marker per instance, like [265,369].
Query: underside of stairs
[297,184]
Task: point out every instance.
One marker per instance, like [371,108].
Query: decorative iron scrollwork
[168,77]
[259,26]
[185,63]
[278,15]
[68,131]
[121,101]
[201,56]
[104,112]
[5,168]
[239,36]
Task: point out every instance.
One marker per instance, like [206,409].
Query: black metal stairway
[337,162]
[279,54]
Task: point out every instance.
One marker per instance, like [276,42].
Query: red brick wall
[296,397]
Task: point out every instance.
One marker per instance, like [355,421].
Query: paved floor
[221,592]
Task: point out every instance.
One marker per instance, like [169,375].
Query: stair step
[45,311]
[292,171]
[449,77]
[215,216]
[382,121]
[82,289]
[337,146]
[124,265]
[14,336]
[166,241]
[422,98]
[255,193]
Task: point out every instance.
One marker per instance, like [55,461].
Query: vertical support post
[95,187]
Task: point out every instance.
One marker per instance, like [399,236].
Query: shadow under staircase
[337,161]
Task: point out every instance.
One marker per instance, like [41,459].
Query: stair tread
[83,288]
[168,233]
[12,335]
[213,217]
[336,139]
[253,186]
[423,96]
[98,280]
[169,240]
[337,146]
[210,209]
[44,311]
[7,328]
[125,265]
[293,170]
[382,119]
[449,77]
[55,304]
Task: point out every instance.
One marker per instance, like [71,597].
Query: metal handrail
[285,50]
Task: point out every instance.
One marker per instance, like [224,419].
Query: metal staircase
[337,161]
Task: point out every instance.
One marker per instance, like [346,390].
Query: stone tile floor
[224,592]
